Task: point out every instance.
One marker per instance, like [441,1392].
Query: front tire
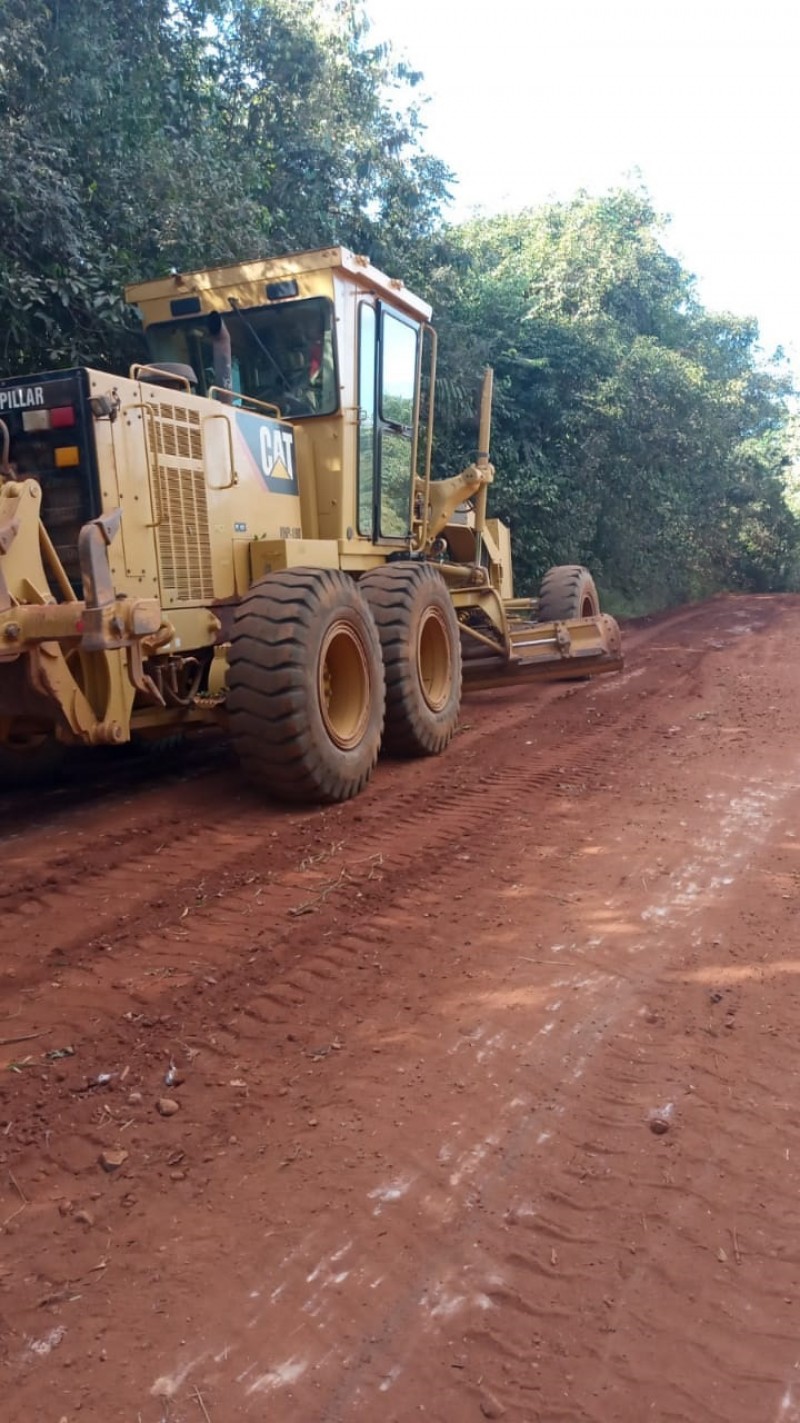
[568,591]
[306,693]
[421,647]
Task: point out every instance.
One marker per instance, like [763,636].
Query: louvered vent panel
[183,536]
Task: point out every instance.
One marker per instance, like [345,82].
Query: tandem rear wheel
[421,647]
[306,692]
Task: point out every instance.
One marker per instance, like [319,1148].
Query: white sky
[536,100]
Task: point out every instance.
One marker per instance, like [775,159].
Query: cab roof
[311,272]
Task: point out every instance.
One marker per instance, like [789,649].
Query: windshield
[280,354]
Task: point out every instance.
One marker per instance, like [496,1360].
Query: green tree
[183,134]
[634,430]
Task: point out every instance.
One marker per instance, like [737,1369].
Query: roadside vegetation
[635,430]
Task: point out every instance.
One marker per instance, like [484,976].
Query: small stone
[85,1217]
[113,1158]
[177,1175]
[167,1106]
[659,1125]
[491,1407]
[65,1207]
[135,1099]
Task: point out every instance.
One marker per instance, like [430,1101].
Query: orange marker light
[67,457]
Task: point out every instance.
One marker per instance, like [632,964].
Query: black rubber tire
[567,591]
[306,694]
[38,762]
[421,647]
[157,750]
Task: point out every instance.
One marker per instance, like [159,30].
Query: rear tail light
[61,417]
[33,420]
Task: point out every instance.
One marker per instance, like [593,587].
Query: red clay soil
[485,1084]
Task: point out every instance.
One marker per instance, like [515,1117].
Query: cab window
[284,354]
[366,419]
[398,376]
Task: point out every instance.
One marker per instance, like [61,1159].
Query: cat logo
[277,454]
[270,446]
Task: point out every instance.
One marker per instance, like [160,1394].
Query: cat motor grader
[245,530]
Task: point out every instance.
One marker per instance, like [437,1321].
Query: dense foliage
[633,430]
[159,134]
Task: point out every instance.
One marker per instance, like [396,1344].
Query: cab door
[387,397]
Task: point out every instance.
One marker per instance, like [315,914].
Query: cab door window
[366,419]
[398,380]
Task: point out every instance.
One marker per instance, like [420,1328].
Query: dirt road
[485,1097]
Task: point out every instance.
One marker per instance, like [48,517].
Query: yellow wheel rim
[434,659]
[344,685]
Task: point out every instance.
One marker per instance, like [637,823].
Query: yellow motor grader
[245,530]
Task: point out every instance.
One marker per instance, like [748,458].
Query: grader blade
[548,652]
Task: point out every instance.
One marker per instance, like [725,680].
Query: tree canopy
[633,429]
[161,134]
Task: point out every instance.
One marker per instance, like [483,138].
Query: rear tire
[568,591]
[421,647]
[306,689]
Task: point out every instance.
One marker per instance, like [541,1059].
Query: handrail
[220,392]
[426,478]
[155,493]
[233,479]
[482,460]
[183,382]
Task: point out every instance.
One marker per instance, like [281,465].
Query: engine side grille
[184,545]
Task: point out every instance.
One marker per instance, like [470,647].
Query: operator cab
[330,341]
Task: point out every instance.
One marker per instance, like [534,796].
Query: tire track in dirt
[214,875]
[142,946]
[389,865]
[581,1217]
[448,1296]
[336,1302]
[590,1221]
